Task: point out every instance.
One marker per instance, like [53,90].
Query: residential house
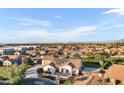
[47,60]
[50,68]
[17,53]
[7,62]
[115,73]
[8,51]
[42,52]
[71,66]
[3,57]
[15,59]
[60,65]
[1,51]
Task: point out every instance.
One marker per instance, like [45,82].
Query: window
[8,64]
[67,71]
[62,70]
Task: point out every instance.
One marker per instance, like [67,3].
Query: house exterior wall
[7,63]
[45,62]
[112,81]
[8,51]
[122,82]
[49,68]
[65,68]
[1,51]
[76,71]
[17,53]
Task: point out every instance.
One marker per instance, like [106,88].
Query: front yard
[68,81]
[62,80]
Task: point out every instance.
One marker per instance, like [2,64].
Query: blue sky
[60,25]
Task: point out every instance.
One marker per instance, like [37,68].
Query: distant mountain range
[76,42]
[121,40]
[114,41]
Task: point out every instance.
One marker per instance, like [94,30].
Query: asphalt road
[38,81]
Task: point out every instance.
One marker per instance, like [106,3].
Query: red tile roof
[49,58]
[76,63]
[115,72]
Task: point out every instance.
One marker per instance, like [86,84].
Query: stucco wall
[49,68]
[69,68]
[45,62]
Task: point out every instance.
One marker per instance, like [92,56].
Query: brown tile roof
[76,63]
[53,65]
[49,58]
[115,72]
[8,56]
[12,56]
[63,64]
[59,62]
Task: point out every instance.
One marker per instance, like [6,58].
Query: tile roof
[115,72]
[76,63]
[60,62]
[50,58]
[12,56]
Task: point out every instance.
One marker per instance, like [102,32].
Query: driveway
[32,72]
[31,77]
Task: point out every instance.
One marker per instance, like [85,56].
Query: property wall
[96,74]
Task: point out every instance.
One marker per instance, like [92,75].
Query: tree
[27,61]
[77,56]
[90,56]
[13,74]
[40,70]
[31,48]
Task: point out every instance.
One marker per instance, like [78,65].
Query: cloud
[25,24]
[30,22]
[58,17]
[115,11]
[44,35]
[113,26]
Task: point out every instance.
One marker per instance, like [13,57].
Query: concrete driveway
[31,78]
[32,72]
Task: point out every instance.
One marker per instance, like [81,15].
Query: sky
[48,25]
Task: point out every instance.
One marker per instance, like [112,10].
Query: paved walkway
[83,82]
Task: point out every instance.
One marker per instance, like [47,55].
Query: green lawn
[68,81]
[49,77]
[62,81]
[94,63]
